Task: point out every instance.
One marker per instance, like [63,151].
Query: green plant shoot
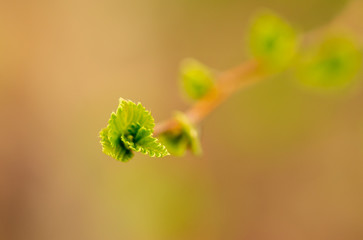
[130,129]
[332,64]
[182,139]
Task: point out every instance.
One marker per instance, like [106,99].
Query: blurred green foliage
[272,41]
[178,141]
[196,79]
[330,65]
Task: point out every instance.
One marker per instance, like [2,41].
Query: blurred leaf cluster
[330,65]
[272,41]
[185,138]
[196,79]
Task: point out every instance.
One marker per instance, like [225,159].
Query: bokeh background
[279,162]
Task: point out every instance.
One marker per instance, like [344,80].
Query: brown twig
[227,83]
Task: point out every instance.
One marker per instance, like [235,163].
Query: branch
[227,84]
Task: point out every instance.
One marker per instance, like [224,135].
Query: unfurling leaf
[182,139]
[331,65]
[272,41]
[196,79]
[130,129]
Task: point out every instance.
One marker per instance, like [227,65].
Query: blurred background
[279,162]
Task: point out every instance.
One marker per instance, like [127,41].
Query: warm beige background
[279,162]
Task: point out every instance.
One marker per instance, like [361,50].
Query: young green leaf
[142,141]
[119,151]
[196,79]
[178,141]
[331,65]
[272,41]
[175,142]
[130,129]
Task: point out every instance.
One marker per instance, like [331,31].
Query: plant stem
[228,83]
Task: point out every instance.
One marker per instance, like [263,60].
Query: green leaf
[142,141]
[196,79]
[130,129]
[175,142]
[119,152]
[182,139]
[331,65]
[127,114]
[272,41]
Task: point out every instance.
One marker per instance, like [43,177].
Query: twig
[227,83]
